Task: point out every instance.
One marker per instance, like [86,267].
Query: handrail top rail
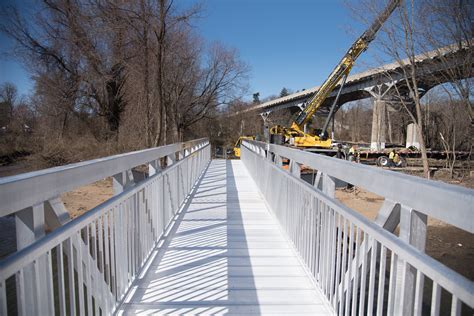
[17,260]
[449,203]
[24,190]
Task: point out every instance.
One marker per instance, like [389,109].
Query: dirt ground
[87,197]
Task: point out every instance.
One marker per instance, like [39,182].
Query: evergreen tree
[256,98]
[284,92]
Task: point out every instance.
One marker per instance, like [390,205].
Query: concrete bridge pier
[377,139]
[412,136]
[266,127]
[379,115]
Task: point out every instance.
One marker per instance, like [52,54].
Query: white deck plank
[226,255]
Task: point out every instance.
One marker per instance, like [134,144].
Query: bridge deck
[225,255]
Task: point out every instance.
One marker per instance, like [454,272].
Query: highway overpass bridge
[432,68]
[233,237]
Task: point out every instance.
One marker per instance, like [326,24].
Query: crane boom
[343,67]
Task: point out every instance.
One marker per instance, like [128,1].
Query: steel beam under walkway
[225,254]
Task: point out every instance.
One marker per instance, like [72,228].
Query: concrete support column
[377,140]
[266,127]
[412,136]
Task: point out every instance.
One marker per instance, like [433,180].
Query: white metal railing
[362,268]
[87,265]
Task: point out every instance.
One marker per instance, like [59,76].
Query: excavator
[295,134]
[239,143]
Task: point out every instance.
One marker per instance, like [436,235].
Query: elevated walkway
[225,254]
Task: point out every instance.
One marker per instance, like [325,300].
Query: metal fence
[360,266]
[87,265]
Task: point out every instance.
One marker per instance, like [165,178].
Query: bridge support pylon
[377,139]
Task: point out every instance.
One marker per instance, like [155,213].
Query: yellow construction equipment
[295,134]
[239,143]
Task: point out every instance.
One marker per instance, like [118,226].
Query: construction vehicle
[239,143]
[295,134]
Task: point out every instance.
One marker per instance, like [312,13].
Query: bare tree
[8,98]
[398,40]
[447,25]
[418,27]
[129,74]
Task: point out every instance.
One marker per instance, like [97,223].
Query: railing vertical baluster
[392,283]
[373,260]
[332,261]
[318,240]
[327,246]
[419,288]
[355,283]
[119,254]
[49,284]
[455,306]
[134,232]
[88,271]
[113,243]
[107,268]
[339,243]
[343,267]
[322,245]
[102,264]
[129,230]
[61,285]
[314,241]
[3,298]
[435,299]
[381,287]
[20,292]
[80,276]
[95,284]
[71,281]
[349,270]
[363,275]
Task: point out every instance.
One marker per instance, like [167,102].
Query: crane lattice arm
[343,67]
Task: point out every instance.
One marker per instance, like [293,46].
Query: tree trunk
[146,78]
[161,137]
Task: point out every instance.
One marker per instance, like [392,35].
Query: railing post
[122,181]
[154,167]
[278,160]
[388,215]
[170,159]
[29,228]
[413,227]
[329,185]
[295,169]
[55,213]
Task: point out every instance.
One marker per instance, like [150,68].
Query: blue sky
[293,44]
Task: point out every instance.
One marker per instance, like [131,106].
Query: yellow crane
[296,131]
